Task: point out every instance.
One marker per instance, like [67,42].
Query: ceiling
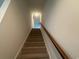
[36,4]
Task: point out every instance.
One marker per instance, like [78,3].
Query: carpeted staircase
[34,47]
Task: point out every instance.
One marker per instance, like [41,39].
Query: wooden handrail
[59,49]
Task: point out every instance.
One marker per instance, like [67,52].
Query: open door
[36,20]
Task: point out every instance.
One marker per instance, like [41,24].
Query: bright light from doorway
[37,15]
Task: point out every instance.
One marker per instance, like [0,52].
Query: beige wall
[62,21]
[14,28]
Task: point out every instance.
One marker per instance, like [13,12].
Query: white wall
[14,28]
[61,19]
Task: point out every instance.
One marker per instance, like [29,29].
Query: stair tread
[37,55]
[37,58]
[34,50]
[30,40]
[34,47]
[34,44]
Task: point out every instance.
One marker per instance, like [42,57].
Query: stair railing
[57,46]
